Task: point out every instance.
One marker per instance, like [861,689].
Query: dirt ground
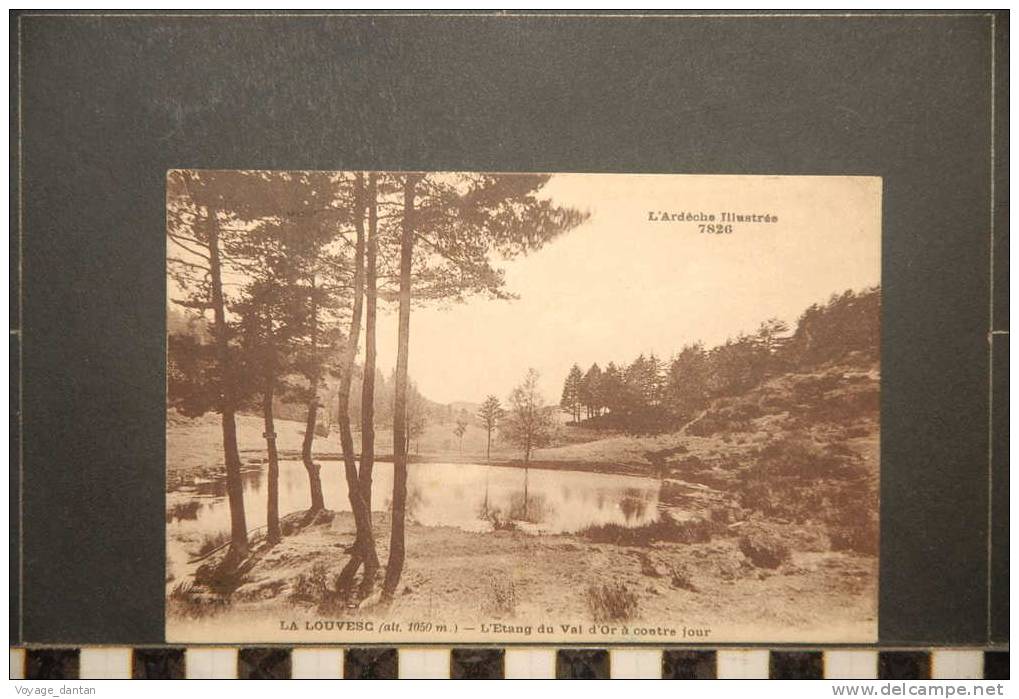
[474,582]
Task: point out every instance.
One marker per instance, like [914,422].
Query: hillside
[817,402]
[800,449]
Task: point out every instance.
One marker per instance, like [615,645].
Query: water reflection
[183,510]
[524,507]
[470,497]
[633,505]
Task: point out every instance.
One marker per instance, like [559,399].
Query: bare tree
[417,415]
[461,429]
[529,422]
[490,413]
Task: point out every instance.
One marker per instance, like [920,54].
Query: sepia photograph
[469,407]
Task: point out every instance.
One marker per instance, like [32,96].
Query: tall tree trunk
[272,510]
[371,562]
[488,448]
[307,444]
[364,543]
[313,469]
[234,490]
[397,553]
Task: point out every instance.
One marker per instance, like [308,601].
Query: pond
[468,496]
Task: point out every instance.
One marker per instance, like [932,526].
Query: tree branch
[177,260]
[193,252]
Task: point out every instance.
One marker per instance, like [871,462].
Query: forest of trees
[282,275]
[651,394]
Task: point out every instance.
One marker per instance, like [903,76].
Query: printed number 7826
[715,228]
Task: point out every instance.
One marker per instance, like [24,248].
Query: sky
[620,285]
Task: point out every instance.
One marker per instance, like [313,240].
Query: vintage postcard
[462,407]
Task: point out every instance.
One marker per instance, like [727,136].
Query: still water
[467,496]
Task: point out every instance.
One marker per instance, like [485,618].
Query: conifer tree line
[651,394]
[285,274]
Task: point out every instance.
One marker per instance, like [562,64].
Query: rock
[728,570]
[765,550]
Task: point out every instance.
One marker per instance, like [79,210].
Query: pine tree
[687,382]
[613,389]
[206,213]
[653,380]
[570,401]
[589,393]
[364,542]
[450,225]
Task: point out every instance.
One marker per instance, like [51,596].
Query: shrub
[620,535]
[611,602]
[211,542]
[720,516]
[812,388]
[854,523]
[788,498]
[649,567]
[503,597]
[694,531]
[186,601]
[863,539]
[819,403]
[764,550]
[714,422]
[503,525]
[705,426]
[221,579]
[680,578]
[689,531]
[774,402]
[312,586]
[802,457]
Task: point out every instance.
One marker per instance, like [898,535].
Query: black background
[108,104]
